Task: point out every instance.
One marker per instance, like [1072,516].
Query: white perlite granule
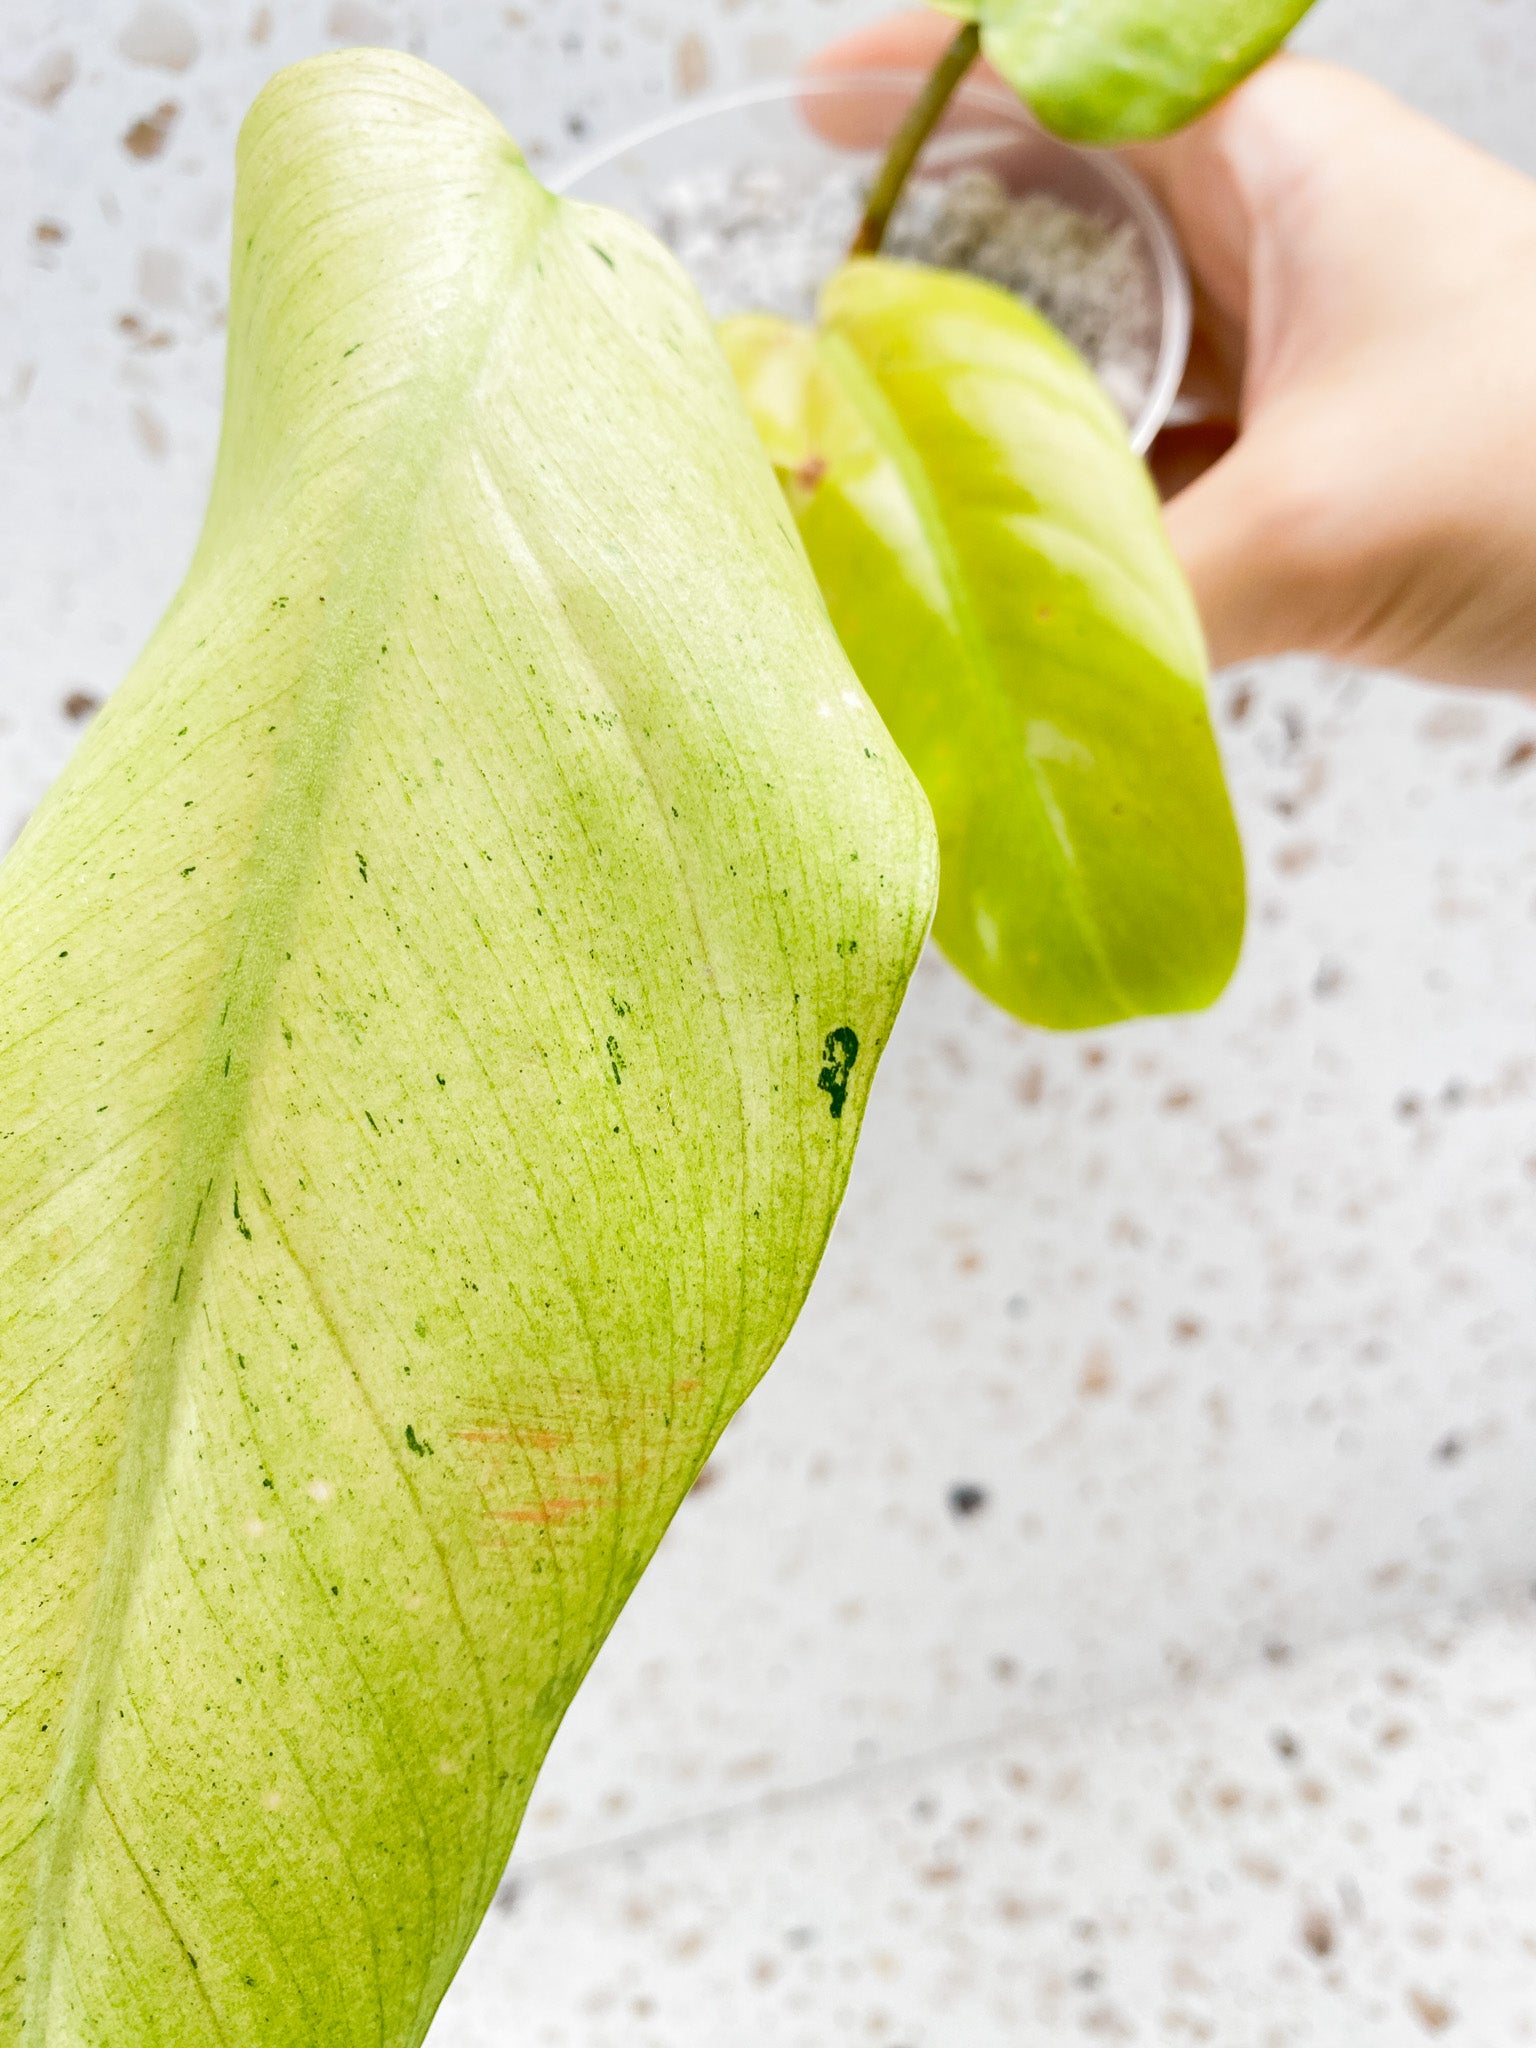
[1089,279]
[760,241]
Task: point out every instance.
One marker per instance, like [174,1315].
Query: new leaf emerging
[994,560]
[436,1010]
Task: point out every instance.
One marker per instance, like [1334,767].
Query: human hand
[1361,477]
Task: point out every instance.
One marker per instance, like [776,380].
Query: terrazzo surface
[1166,1393]
[1337,1851]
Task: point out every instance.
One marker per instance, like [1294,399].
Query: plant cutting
[441,996]
[993,557]
[439,1002]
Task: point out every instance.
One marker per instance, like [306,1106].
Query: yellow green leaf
[1112,71]
[436,1010]
[993,558]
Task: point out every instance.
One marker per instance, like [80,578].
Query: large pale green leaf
[436,1010]
[993,558]
[1126,70]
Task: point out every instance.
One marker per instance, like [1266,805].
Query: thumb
[1252,540]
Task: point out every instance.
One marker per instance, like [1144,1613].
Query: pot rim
[1155,228]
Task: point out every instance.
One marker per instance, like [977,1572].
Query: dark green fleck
[840,1051]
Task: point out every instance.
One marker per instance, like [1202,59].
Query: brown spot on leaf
[549,1514]
[530,1439]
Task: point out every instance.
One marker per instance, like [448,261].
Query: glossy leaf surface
[993,558]
[436,1010]
[1111,71]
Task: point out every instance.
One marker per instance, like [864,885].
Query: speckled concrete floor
[1340,1850]
[1047,1655]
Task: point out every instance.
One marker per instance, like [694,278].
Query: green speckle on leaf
[415,1443]
[839,1052]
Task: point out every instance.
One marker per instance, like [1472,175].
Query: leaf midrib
[281,867]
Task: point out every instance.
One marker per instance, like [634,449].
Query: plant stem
[925,116]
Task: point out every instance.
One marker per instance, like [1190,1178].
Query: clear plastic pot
[791,158]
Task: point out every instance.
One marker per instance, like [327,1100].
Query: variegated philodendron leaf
[436,1010]
[992,554]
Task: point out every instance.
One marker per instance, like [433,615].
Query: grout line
[888,1770]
